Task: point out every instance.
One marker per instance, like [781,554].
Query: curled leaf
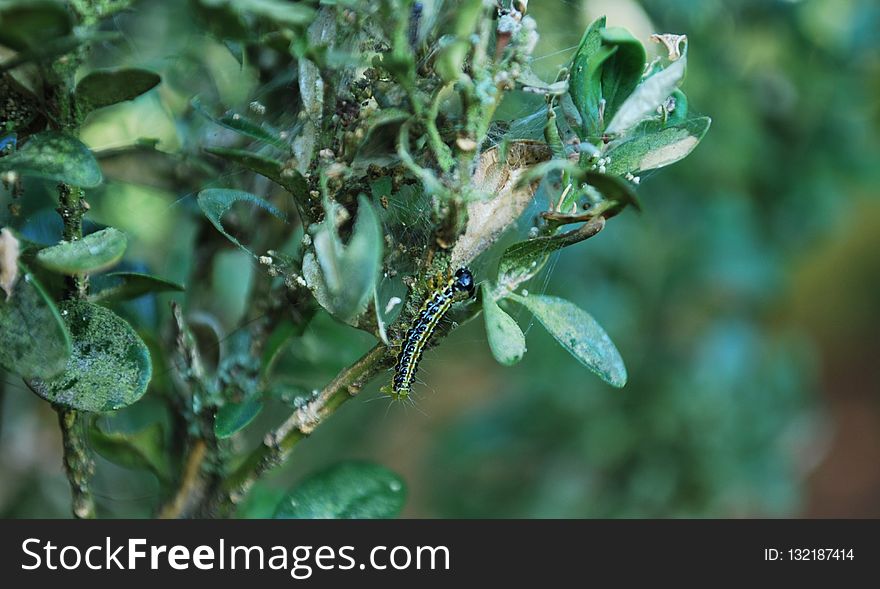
[647,97]
[343,276]
[216,202]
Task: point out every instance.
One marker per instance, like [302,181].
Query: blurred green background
[744,299]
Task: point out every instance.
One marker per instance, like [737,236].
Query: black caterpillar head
[463,281]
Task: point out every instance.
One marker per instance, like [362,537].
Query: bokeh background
[744,299]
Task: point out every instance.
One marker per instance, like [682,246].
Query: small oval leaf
[506,339]
[110,365]
[107,87]
[92,253]
[34,342]
[216,202]
[351,490]
[578,332]
[234,417]
[55,156]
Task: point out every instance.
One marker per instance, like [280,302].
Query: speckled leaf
[234,417]
[645,99]
[578,332]
[244,126]
[121,286]
[216,202]
[351,490]
[657,149]
[92,253]
[34,341]
[506,339]
[274,170]
[110,365]
[143,449]
[343,276]
[106,87]
[28,23]
[55,156]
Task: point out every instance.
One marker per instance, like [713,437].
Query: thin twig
[189,483]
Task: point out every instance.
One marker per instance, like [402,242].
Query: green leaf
[343,277]
[216,202]
[351,490]
[29,23]
[286,177]
[657,149]
[55,156]
[34,342]
[110,365]
[106,87]
[649,95]
[613,188]
[244,126]
[140,450]
[522,261]
[578,332]
[122,286]
[234,417]
[506,339]
[92,253]
[585,84]
[622,71]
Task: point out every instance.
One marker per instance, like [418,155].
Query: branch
[189,483]
[77,463]
[278,444]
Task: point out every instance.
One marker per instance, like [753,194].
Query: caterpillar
[420,332]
